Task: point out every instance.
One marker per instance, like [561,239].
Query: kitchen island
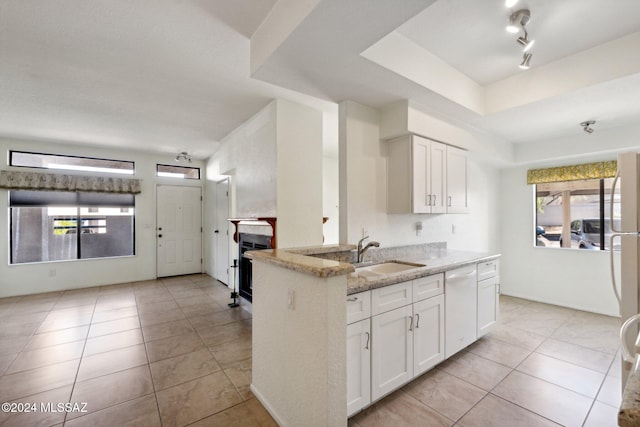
[299,317]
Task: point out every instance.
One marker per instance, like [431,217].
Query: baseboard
[266,405]
[558,303]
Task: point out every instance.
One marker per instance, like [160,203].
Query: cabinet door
[391,351]
[437,177]
[457,181]
[358,366]
[428,334]
[358,307]
[487,305]
[421,178]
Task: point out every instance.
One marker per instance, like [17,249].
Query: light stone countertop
[629,414]
[300,259]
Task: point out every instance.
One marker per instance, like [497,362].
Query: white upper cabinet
[418,176]
[457,181]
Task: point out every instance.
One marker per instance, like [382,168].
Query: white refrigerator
[628,289]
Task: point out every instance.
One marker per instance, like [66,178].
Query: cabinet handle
[449,201]
[411,324]
[352,299]
[368,337]
[434,200]
[417,320]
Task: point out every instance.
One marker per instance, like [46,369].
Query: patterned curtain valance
[573,173]
[19,180]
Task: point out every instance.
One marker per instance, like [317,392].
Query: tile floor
[170,352]
[164,352]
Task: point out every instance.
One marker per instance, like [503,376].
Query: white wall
[55,276]
[299,175]
[274,160]
[571,278]
[363,194]
[330,198]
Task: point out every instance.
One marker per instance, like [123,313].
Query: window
[61,162]
[57,226]
[182,172]
[575,214]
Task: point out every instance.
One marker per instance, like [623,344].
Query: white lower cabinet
[358,365]
[398,332]
[428,334]
[407,341]
[488,296]
[392,350]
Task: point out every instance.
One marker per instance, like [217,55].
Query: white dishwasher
[460,296]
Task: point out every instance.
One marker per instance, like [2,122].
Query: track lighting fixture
[526,59]
[183,157]
[518,20]
[586,126]
[525,42]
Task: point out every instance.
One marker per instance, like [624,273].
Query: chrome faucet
[362,250]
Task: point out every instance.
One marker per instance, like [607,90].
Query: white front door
[179,230]
[222,232]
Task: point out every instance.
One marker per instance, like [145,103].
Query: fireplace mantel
[271,220]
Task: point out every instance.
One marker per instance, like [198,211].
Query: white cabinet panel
[457,181]
[392,351]
[358,307]
[487,305]
[358,366]
[416,175]
[391,297]
[427,287]
[428,334]
[487,269]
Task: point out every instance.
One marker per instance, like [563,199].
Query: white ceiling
[169,76]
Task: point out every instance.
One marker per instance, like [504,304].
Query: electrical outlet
[365,232]
[291,297]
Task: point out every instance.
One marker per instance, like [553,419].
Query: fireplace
[249,242]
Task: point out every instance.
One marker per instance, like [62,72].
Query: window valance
[595,170]
[19,180]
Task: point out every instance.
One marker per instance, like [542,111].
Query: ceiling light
[183,157]
[510,3]
[585,126]
[518,20]
[526,59]
[525,42]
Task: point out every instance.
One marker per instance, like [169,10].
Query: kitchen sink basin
[378,271]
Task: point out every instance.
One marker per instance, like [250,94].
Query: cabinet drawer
[358,307]
[487,269]
[427,287]
[391,297]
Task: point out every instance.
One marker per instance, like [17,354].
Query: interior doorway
[179,230]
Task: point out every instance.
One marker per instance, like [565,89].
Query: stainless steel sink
[378,271]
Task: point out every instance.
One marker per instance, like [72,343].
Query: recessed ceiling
[470,35]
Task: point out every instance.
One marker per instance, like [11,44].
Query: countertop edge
[302,263]
[355,285]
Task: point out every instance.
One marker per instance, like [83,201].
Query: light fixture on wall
[183,157]
[586,126]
